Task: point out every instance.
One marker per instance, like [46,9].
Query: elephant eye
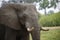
[25,16]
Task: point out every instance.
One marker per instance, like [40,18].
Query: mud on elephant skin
[17,17]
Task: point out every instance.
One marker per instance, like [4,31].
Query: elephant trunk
[35,33]
[34,29]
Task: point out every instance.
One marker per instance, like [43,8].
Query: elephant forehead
[30,11]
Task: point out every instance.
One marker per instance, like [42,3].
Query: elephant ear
[9,17]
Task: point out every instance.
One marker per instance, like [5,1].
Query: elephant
[19,20]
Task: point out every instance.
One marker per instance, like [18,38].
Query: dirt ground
[57,27]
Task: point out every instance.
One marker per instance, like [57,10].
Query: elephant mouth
[30,29]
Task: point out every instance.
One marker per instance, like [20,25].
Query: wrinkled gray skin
[20,20]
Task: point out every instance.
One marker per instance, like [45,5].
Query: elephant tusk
[30,29]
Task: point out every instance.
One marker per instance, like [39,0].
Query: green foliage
[48,4]
[53,3]
[44,4]
[50,20]
[50,35]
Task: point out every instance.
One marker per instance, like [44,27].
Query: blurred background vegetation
[50,20]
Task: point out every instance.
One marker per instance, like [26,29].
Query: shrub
[50,20]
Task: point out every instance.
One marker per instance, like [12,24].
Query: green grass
[50,35]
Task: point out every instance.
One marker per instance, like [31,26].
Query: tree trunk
[45,11]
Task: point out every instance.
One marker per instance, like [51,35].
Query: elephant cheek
[30,29]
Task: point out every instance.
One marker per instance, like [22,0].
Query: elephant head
[29,18]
